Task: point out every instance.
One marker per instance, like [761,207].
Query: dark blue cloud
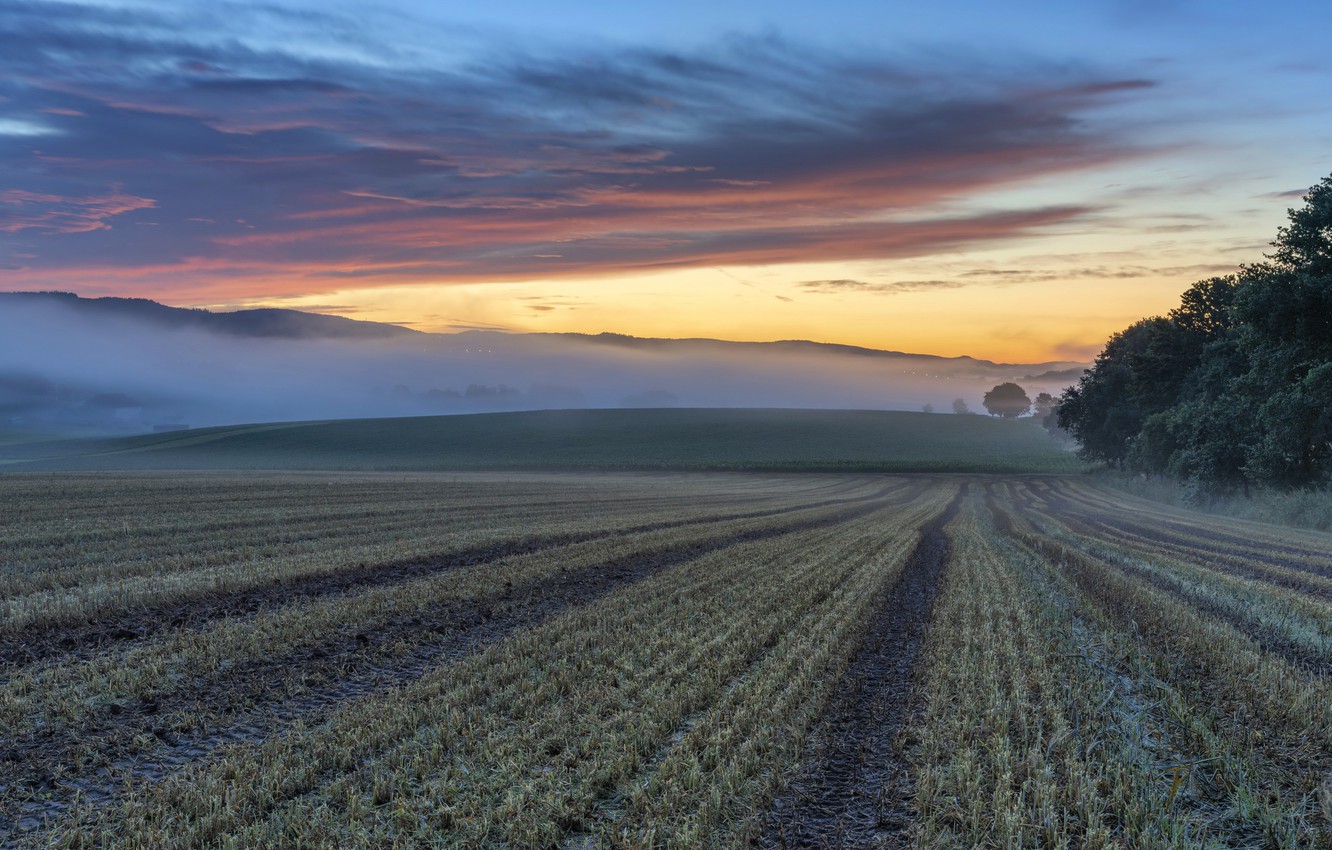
[180,141]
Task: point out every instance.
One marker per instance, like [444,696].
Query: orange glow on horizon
[1032,323]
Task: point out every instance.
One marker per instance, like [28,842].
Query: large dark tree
[1284,315]
[1234,385]
[1205,435]
[1105,411]
[1007,400]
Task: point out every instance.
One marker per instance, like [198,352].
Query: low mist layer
[64,366]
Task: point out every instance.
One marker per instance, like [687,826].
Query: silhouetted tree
[927,408]
[960,406]
[1283,315]
[1234,385]
[1103,411]
[1007,400]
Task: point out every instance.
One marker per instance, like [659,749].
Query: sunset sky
[1012,181]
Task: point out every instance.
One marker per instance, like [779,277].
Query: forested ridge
[1234,386]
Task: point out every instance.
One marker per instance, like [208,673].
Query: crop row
[1286,609]
[680,683]
[1250,729]
[190,689]
[99,579]
[1024,738]
[1094,673]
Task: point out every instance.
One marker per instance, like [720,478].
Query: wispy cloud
[1291,194]
[893,287]
[22,210]
[1009,277]
[1076,273]
[303,161]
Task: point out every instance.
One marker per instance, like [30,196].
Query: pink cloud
[21,210]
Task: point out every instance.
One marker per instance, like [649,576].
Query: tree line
[1234,386]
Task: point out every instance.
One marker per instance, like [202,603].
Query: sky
[1013,181]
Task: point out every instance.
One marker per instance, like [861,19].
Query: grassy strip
[693,439]
[1310,509]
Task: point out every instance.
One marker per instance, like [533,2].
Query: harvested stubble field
[654,660]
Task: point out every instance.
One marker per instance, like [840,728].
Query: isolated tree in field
[927,408]
[1007,400]
[960,406]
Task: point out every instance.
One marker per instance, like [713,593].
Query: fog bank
[65,368]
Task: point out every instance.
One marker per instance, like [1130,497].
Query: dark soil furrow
[265,700]
[855,787]
[66,641]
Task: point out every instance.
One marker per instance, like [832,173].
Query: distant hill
[267,322]
[684,439]
[108,366]
[295,324]
[805,346]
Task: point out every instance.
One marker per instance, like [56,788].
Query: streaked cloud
[1010,277]
[21,210]
[893,287]
[23,128]
[291,165]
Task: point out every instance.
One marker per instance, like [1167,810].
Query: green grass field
[693,439]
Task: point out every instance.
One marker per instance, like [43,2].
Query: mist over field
[64,364]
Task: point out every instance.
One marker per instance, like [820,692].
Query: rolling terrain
[684,439]
[119,366]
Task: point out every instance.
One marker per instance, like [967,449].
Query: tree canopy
[1232,387]
[1007,400]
